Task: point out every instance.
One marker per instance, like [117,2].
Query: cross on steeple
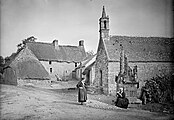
[103,12]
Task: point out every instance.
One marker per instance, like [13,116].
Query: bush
[1,78]
[160,89]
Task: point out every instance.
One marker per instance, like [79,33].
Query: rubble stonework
[114,68]
[152,69]
[101,69]
[31,82]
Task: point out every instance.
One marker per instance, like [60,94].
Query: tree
[1,64]
[29,39]
[1,61]
[160,88]
[23,44]
[89,53]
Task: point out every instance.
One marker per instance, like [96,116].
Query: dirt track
[28,103]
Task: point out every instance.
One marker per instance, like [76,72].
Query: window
[51,70]
[75,64]
[105,24]
[50,62]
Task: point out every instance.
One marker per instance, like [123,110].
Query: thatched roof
[27,66]
[46,51]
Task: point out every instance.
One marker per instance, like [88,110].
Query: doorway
[88,77]
[101,82]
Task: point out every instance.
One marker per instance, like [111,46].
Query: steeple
[103,12]
[104,26]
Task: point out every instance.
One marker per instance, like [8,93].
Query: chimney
[81,43]
[55,44]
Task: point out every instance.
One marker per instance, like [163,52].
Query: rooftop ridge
[40,42]
[68,46]
[52,44]
[140,36]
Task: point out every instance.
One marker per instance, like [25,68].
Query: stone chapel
[129,61]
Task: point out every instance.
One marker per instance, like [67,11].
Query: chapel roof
[140,48]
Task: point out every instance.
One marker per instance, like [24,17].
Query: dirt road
[28,103]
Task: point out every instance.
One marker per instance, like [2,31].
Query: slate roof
[47,52]
[91,60]
[88,61]
[140,48]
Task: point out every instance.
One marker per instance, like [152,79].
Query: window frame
[51,70]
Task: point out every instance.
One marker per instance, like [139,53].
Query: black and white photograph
[87,59]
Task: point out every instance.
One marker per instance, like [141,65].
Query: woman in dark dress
[121,100]
[82,93]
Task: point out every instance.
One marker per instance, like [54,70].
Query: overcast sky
[71,20]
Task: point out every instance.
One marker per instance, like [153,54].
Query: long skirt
[82,94]
[122,102]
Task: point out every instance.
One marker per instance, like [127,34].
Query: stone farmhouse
[58,60]
[40,61]
[129,61]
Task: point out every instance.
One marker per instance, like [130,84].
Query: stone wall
[101,69]
[32,82]
[114,69]
[92,74]
[131,92]
[146,70]
[63,70]
[151,69]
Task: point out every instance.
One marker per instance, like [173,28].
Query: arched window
[105,24]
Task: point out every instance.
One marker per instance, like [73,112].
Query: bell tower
[104,26]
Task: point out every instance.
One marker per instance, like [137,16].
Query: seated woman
[121,100]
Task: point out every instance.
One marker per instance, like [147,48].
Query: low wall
[23,82]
